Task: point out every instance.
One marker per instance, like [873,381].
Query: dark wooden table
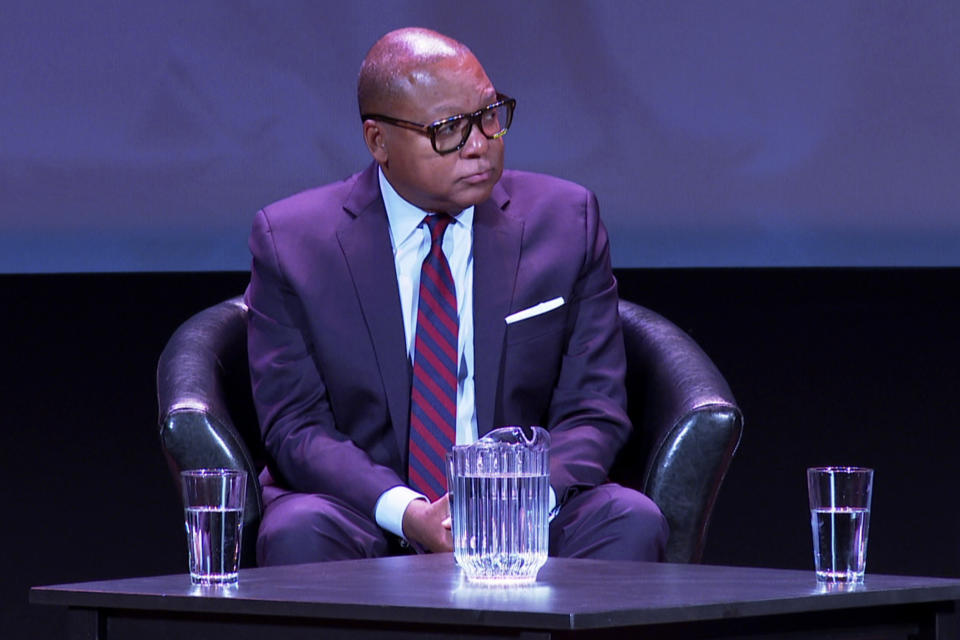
[425,597]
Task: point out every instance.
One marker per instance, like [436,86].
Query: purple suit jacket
[330,374]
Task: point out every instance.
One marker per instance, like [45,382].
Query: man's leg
[609,522]
[303,527]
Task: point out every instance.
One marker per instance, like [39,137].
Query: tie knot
[437,224]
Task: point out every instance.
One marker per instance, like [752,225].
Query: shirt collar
[404,217]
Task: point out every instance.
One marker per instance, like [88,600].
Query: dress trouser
[608,522]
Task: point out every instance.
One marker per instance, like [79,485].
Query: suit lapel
[365,242]
[497,239]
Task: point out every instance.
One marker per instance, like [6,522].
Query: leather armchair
[687,423]
[207,417]
[687,426]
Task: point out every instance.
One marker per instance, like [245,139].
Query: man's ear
[375,140]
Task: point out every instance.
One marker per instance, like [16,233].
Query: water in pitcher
[499,526]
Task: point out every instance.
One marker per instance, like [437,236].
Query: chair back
[687,427]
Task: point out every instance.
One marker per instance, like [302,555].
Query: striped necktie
[433,400]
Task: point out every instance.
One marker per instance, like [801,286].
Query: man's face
[454,181]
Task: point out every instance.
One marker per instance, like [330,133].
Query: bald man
[514,322]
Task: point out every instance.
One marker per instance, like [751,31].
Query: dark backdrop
[831,366]
[143,135]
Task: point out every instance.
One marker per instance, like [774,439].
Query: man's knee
[298,528]
[610,522]
[638,521]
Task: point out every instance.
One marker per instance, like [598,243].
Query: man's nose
[476,144]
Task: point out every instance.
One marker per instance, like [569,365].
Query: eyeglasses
[450,134]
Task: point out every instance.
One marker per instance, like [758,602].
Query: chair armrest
[202,374]
[687,426]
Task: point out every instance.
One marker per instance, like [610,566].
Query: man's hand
[428,524]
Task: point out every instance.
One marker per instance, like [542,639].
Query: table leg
[946,625]
[86,624]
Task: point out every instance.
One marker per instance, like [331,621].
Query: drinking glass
[840,520]
[213,502]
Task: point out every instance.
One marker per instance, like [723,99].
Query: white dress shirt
[410,239]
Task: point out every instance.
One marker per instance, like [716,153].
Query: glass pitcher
[499,493]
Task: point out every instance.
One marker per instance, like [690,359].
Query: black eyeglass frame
[474,118]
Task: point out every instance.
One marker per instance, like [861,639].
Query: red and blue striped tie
[433,400]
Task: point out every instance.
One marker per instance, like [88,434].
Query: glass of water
[840,519]
[213,502]
[499,492]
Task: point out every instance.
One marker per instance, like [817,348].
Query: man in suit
[337,309]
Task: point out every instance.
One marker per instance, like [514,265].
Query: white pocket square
[535,310]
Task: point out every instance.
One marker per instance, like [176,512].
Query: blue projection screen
[143,135]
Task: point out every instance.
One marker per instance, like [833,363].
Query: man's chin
[474,194]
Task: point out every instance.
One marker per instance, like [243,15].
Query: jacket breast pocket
[539,326]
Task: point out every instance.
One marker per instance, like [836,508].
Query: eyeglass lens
[493,122]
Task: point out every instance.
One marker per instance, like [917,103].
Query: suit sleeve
[308,452]
[587,411]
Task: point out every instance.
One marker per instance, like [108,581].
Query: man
[347,337]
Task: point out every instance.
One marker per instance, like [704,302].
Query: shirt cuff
[390,507]
[553,508]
